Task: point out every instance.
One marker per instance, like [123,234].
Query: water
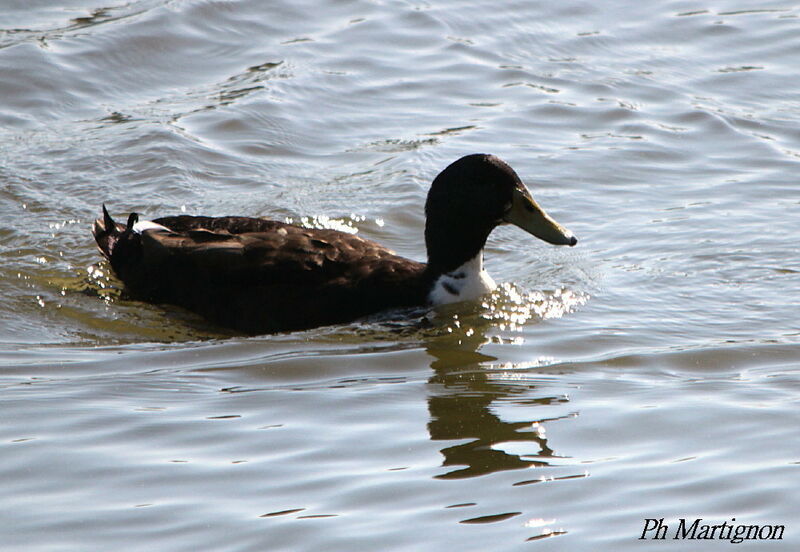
[649,372]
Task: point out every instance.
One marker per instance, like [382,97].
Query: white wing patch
[466,283]
[143,225]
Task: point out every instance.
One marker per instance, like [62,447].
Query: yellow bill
[527,214]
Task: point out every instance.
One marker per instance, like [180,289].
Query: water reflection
[463,390]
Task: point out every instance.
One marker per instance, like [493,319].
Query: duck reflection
[462,390]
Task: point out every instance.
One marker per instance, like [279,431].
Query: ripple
[650,369]
[494,518]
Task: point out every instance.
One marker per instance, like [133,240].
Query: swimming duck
[263,276]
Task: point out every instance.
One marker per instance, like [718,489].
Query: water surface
[649,372]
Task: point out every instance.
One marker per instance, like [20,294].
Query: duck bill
[527,214]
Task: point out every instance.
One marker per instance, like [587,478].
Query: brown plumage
[261,276]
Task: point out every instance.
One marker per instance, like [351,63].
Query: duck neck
[467,282]
[451,246]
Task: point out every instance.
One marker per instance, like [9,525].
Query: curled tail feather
[107,232]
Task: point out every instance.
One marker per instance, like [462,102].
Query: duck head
[471,197]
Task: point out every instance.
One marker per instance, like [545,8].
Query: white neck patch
[466,283]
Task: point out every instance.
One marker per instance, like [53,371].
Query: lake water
[653,371]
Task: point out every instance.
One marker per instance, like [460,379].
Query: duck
[261,276]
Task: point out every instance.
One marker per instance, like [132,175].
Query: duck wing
[258,275]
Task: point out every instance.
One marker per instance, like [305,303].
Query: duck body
[262,276]
[257,275]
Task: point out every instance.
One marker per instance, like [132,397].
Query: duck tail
[107,232]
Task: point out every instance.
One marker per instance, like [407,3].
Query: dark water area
[652,371]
